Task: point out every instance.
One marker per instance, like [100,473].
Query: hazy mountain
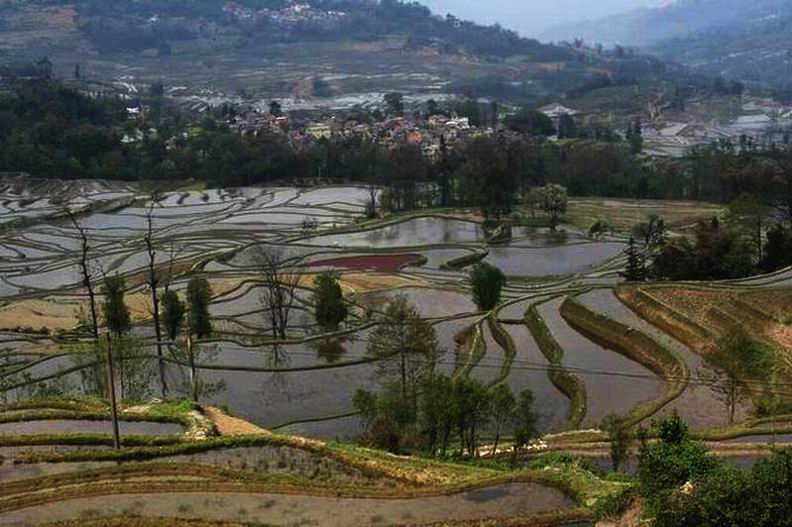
[755,52]
[533,17]
[685,18]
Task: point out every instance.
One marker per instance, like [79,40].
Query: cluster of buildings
[430,134]
[296,13]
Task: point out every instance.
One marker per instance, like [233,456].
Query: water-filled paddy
[529,371]
[411,233]
[698,404]
[203,226]
[614,384]
[554,260]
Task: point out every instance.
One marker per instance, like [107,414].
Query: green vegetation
[115,312]
[487,282]
[331,310]
[408,348]
[726,496]
[737,367]
[671,462]
[199,294]
[173,311]
[531,122]
[552,200]
[451,412]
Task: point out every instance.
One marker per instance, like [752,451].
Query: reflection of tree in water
[382,234]
[277,357]
[330,350]
[277,382]
[205,354]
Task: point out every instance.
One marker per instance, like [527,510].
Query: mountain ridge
[647,26]
[275,48]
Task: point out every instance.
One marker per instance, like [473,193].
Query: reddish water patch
[375,262]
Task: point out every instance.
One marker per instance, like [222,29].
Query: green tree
[118,322]
[487,282]
[737,361]
[531,122]
[552,200]
[567,128]
[275,108]
[635,136]
[652,232]
[173,311]
[759,498]
[471,413]
[636,266]
[432,108]
[503,405]
[671,462]
[746,218]
[114,310]
[778,249]
[437,418]
[199,294]
[409,348]
[525,420]
[395,103]
[331,310]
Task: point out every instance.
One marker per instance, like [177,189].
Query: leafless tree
[153,284]
[279,285]
[87,269]
[373,188]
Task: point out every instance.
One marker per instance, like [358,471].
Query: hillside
[746,41]
[274,48]
[754,53]
[685,18]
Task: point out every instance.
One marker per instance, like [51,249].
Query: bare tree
[279,283]
[153,284]
[87,270]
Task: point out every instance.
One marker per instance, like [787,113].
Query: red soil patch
[375,262]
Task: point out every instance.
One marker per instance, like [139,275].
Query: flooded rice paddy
[306,383]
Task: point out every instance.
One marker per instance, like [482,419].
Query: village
[763,124]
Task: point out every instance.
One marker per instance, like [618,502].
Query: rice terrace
[368,263]
[258,422]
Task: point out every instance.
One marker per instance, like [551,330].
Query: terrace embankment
[634,345]
[567,383]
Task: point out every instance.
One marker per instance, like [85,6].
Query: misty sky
[530,17]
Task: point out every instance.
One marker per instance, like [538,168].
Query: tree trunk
[193,370]
[113,404]
[158,330]
[403,371]
[92,302]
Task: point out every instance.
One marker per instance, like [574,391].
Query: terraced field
[586,345]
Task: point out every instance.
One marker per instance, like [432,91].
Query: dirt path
[231,426]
